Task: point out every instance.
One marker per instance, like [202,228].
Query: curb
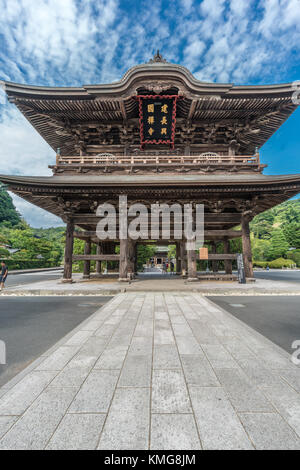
[105,292]
[65,293]
[28,271]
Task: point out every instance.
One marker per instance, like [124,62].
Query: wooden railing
[165,160]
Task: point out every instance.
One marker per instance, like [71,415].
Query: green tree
[260,248]
[4,253]
[279,246]
[292,234]
[8,212]
[144,254]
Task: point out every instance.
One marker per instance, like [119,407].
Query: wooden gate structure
[207,155]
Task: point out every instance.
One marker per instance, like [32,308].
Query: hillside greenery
[9,216]
[276,233]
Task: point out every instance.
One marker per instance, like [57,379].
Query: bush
[260,264]
[4,253]
[295,256]
[14,264]
[282,263]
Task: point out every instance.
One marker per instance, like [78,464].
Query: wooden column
[136,258]
[68,252]
[247,251]
[191,261]
[123,270]
[178,259]
[87,264]
[183,256]
[214,251]
[227,262]
[99,263]
[131,257]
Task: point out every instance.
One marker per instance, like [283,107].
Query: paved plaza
[156,371]
[50,284]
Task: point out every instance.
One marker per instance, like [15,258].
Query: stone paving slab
[156,371]
[111,286]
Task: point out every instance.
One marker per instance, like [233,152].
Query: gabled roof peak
[157,58]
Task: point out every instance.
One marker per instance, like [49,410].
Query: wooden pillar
[178,259]
[136,258]
[99,263]
[227,262]
[247,251]
[123,270]
[215,262]
[87,264]
[68,252]
[131,257]
[183,256]
[191,260]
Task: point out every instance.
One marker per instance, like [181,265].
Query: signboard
[241,270]
[203,253]
[157,119]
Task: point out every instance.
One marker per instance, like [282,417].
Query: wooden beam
[96,257]
[123,110]
[222,234]
[219,234]
[209,218]
[191,110]
[229,217]
[221,256]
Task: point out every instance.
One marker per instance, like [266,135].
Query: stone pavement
[156,371]
[111,286]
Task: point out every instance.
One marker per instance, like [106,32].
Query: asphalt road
[14,280]
[31,325]
[276,317]
[279,275]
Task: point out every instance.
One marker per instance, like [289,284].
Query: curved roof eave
[85,180]
[155,71]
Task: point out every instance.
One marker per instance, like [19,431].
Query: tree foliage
[8,213]
[144,253]
[278,247]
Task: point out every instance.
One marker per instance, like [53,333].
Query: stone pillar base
[86,276]
[250,279]
[124,279]
[66,281]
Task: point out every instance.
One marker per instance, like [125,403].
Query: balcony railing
[208,158]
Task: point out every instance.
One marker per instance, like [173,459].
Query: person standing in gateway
[3,275]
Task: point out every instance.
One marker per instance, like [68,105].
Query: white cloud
[35,216]
[22,150]
[193,51]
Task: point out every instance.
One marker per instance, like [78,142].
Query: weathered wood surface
[247,251]
[112,159]
[221,256]
[87,262]
[96,257]
[67,276]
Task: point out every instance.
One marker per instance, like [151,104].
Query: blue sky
[72,42]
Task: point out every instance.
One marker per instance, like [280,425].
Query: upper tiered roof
[209,115]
